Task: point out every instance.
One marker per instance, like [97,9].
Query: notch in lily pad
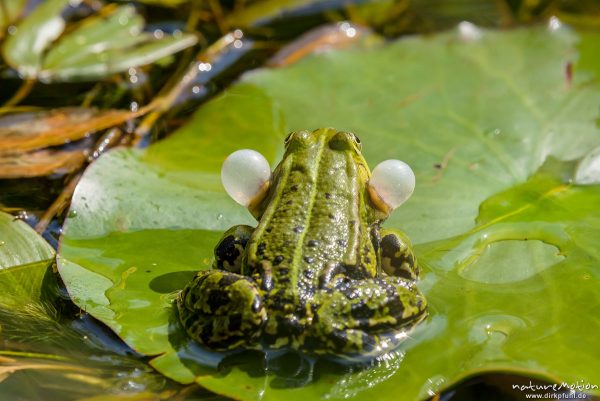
[101,45]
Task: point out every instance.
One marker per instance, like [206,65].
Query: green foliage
[509,247]
[99,46]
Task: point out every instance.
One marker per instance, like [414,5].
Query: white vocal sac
[244,175]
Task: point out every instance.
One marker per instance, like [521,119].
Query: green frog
[317,274]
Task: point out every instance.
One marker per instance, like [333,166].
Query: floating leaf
[20,245]
[66,363]
[509,248]
[99,46]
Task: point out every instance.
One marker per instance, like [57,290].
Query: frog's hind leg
[396,256]
[230,248]
[222,310]
[366,317]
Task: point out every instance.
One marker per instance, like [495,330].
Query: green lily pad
[509,247]
[98,47]
[39,345]
[24,257]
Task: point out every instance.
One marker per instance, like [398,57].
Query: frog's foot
[222,310]
[365,317]
[396,255]
[229,250]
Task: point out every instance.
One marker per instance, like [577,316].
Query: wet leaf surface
[20,246]
[97,47]
[39,345]
[509,247]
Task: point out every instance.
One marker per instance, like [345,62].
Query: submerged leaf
[40,129]
[40,163]
[99,46]
[509,248]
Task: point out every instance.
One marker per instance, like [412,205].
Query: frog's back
[315,224]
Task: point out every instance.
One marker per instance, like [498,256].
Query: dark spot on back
[235,322]
[277,260]
[327,195]
[361,310]
[217,298]
[312,243]
[308,259]
[228,279]
[298,229]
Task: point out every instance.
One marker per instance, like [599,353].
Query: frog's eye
[245,175]
[392,183]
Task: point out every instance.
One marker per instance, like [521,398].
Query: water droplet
[494,133]
[554,24]
[158,34]
[495,329]
[433,384]
[238,34]
[204,66]
[219,216]
[72,214]
[468,31]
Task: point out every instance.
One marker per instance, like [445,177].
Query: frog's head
[333,139]
[247,177]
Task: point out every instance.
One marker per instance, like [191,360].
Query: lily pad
[99,46]
[22,250]
[509,246]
